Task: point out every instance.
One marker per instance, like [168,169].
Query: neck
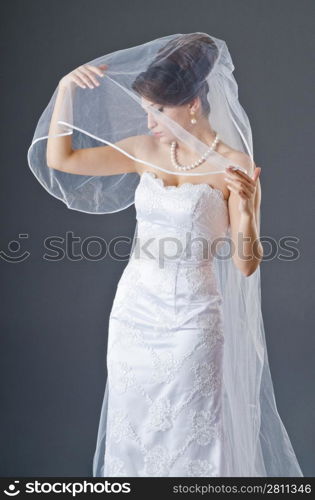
[204,133]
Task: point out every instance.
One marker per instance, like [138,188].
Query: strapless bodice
[179,218]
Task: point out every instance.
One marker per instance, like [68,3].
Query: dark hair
[178,73]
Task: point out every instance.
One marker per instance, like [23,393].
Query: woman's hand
[244,186]
[84,76]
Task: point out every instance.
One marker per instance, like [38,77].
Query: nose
[151,121]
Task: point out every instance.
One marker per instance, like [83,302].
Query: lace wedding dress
[165,341]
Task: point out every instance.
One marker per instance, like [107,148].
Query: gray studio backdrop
[55,312]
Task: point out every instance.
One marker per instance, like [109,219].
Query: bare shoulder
[244,160]
[137,146]
[241,159]
[145,143]
[145,146]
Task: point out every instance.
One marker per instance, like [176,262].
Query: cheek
[168,132]
[180,118]
[176,117]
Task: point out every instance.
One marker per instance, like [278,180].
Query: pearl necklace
[196,163]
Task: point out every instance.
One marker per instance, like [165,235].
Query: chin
[165,140]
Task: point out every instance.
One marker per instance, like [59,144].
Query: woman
[189,391]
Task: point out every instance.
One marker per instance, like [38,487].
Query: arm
[244,211]
[58,148]
[102,160]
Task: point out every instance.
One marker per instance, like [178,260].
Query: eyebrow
[146,106]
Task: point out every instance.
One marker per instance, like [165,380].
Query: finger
[236,191]
[95,69]
[248,191]
[241,186]
[237,182]
[246,180]
[240,174]
[78,81]
[83,77]
[256,173]
[89,74]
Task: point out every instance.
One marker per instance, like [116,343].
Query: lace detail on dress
[165,346]
[115,467]
[189,211]
[120,427]
[157,462]
[200,468]
[205,426]
[186,186]
[165,367]
[160,415]
[122,377]
[200,280]
[207,379]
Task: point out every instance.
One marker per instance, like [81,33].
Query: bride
[188,390]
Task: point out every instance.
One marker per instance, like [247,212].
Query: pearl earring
[193,120]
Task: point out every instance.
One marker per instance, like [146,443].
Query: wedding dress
[189,389]
[165,341]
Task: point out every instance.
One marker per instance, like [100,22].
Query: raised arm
[102,160]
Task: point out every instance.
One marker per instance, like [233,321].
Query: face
[179,114]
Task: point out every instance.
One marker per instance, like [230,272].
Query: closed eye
[157,109]
[153,109]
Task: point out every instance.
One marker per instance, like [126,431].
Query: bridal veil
[255,436]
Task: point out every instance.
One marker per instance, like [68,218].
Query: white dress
[165,340]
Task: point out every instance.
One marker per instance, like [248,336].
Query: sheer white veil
[256,441]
